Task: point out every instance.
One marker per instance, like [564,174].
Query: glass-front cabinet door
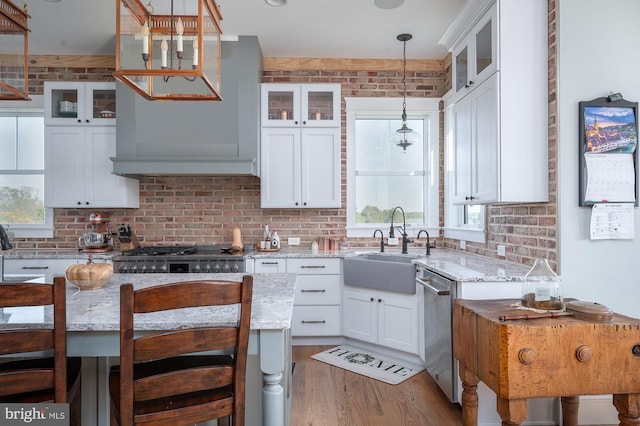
[462,68]
[321,105]
[300,105]
[75,103]
[280,105]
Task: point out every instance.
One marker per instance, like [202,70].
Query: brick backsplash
[203,210]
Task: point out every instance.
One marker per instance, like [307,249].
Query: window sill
[466,234]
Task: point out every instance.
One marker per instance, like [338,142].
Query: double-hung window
[22,184]
[382,175]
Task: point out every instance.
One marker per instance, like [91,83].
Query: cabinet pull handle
[269,263]
[313,266]
[35,267]
[470,197]
[313,322]
[313,291]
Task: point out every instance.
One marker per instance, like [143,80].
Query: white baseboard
[597,410]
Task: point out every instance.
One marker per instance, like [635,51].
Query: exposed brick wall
[176,210]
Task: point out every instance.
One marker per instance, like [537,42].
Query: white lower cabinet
[316,308]
[270,265]
[382,318]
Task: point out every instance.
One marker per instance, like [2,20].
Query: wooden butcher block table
[545,357]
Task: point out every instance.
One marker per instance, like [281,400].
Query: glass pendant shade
[405,137]
[14,75]
[169,49]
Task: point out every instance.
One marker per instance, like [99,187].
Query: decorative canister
[541,288]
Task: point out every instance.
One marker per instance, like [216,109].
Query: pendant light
[404,136]
[169,49]
[14,47]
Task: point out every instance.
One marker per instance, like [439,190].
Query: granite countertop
[98,310]
[453,264]
[53,254]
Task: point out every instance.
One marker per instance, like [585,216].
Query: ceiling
[301,28]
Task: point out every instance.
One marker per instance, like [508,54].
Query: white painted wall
[597,54]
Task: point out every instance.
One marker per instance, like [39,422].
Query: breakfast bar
[93,323]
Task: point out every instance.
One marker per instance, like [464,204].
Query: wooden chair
[159,381]
[38,378]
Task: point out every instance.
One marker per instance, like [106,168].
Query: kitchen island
[93,323]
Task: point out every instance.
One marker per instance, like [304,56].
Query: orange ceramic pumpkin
[91,276]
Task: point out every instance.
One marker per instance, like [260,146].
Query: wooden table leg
[570,406]
[512,411]
[628,406]
[469,396]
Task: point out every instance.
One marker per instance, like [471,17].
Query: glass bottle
[541,288]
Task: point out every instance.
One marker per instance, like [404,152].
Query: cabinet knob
[295,122]
[79,121]
[79,203]
[296,203]
[304,204]
[87,121]
[379,300]
[371,299]
[304,122]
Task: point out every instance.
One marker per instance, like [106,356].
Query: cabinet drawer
[316,321]
[36,266]
[313,266]
[318,290]
[270,265]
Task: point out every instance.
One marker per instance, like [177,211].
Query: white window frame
[45,230]
[417,108]
[454,226]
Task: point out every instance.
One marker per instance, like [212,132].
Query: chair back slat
[21,340]
[187,294]
[28,380]
[180,342]
[25,294]
[184,381]
[159,368]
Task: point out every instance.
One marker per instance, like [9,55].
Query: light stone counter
[53,254]
[99,310]
[453,264]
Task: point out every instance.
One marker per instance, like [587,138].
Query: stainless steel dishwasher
[439,294]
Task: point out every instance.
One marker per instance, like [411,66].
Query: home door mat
[368,363]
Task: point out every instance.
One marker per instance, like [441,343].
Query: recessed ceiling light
[278,2]
[388,4]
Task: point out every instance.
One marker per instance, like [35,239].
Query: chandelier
[169,49]
[14,75]
[404,136]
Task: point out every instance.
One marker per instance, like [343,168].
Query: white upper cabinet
[300,105]
[499,150]
[474,60]
[300,146]
[76,103]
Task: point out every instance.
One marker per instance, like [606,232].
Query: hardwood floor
[326,395]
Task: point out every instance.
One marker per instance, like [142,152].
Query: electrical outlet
[293,241]
[501,250]
[463,244]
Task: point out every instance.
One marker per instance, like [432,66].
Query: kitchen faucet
[428,244]
[403,230]
[381,239]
